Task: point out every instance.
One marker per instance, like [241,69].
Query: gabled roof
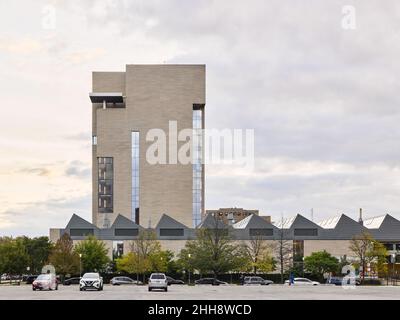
[329,223]
[122,222]
[76,222]
[210,221]
[169,223]
[297,221]
[384,227]
[253,221]
[285,223]
[374,222]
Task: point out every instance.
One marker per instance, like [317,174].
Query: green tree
[160,260]
[212,251]
[13,256]
[145,255]
[368,252]
[259,254]
[94,254]
[63,257]
[131,263]
[38,250]
[320,262]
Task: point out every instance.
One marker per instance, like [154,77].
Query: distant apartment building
[232,215]
[125,107]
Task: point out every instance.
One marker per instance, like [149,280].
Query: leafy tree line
[23,255]
[214,251]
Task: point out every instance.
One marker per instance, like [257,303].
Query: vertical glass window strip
[135,176]
[197,156]
[105,184]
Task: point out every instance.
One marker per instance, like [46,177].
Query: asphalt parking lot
[230,292]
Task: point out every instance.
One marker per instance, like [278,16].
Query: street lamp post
[80,265]
[189,255]
[393,262]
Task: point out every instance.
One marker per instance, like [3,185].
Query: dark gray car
[117,281]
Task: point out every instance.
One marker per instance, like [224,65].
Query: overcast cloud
[323,100]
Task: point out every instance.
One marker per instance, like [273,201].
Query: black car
[29,279]
[171,280]
[212,281]
[70,281]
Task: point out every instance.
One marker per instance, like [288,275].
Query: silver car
[158,281]
[117,281]
[256,281]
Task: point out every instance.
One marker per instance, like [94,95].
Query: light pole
[393,262]
[189,255]
[80,265]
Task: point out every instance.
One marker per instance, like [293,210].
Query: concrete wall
[334,247]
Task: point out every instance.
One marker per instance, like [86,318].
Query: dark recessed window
[126,232]
[105,184]
[171,232]
[80,232]
[306,232]
[261,232]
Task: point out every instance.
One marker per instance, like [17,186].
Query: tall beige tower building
[126,107]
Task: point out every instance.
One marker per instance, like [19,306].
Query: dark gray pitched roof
[76,222]
[341,227]
[167,222]
[297,221]
[384,227]
[253,221]
[122,222]
[210,221]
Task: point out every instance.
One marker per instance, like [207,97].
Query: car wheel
[57,287]
[34,289]
[149,289]
[166,289]
[80,289]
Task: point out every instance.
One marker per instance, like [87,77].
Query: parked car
[256,281]
[158,281]
[91,280]
[46,281]
[171,280]
[68,282]
[117,281]
[338,281]
[212,281]
[303,282]
[29,279]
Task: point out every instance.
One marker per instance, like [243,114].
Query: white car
[91,280]
[303,282]
[158,281]
[46,281]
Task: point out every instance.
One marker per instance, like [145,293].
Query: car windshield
[157,276]
[90,275]
[43,277]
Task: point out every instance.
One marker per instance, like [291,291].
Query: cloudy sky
[322,97]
